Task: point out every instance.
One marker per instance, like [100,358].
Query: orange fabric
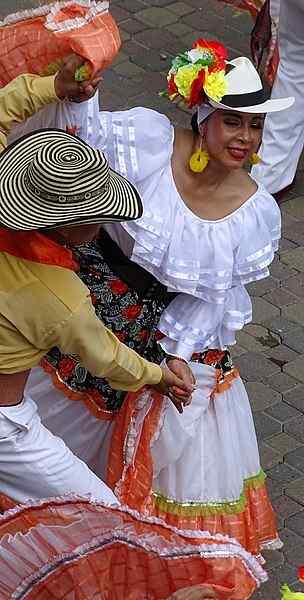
[135,480]
[223,383]
[113,563]
[36,247]
[29,47]
[86,397]
[253,527]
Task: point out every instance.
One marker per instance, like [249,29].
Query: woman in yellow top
[50,181]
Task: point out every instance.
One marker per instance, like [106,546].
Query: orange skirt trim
[92,405]
[134,556]
[253,525]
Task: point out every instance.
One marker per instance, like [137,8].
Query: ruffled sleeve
[137,142]
[193,325]
[259,241]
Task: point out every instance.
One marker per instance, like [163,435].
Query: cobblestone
[284,443]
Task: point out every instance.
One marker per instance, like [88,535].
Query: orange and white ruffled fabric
[37,39]
[200,470]
[264,37]
[76,548]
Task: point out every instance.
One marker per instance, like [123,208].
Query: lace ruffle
[204,258]
[79,528]
[52,9]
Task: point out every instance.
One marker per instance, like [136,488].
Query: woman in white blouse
[206,232]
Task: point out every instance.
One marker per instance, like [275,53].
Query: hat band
[62,198]
[243,100]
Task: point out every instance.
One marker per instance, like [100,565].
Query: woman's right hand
[67,87]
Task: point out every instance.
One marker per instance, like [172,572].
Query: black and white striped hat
[50,178]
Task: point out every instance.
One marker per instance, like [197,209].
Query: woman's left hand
[183,371]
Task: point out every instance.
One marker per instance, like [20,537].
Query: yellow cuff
[156,374]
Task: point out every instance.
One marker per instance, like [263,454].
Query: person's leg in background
[283,136]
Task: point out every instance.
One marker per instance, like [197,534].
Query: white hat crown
[243,77]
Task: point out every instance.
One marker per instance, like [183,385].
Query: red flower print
[132,312]
[120,335]
[213,357]
[197,90]
[71,130]
[144,335]
[66,367]
[93,298]
[118,287]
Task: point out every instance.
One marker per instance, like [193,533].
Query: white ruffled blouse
[208,262]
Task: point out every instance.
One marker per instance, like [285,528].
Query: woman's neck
[72,236]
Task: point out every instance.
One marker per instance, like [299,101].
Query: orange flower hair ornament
[198,73]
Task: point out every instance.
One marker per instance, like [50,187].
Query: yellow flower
[184,78]
[215,85]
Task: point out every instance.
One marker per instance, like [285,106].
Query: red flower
[66,367]
[132,312]
[144,335]
[301,574]
[218,50]
[118,287]
[93,298]
[120,335]
[172,87]
[213,357]
[197,89]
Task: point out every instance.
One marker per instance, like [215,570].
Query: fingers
[72,62]
[177,403]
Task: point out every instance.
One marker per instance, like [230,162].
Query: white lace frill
[208,262]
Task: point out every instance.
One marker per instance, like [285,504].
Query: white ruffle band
[51,10]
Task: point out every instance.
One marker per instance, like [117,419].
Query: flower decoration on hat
[198,73]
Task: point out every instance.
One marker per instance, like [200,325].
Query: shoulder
[52,286]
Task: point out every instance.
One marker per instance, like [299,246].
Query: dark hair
[194,123]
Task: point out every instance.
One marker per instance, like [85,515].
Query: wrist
[170,357]
[59,91]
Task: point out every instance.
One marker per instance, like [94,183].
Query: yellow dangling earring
[254,159]
[199,160]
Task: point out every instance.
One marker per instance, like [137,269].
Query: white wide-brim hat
[51,178]
[245,92]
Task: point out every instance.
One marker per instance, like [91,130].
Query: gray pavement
[270,351]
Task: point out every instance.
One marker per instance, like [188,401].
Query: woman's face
[232,137]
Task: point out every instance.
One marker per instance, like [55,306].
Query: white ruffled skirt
[198,470]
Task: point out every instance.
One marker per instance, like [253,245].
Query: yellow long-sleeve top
[42,306]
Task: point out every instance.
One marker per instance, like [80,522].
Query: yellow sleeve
[21,98]
[99,350]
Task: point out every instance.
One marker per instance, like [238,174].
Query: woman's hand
[67,87]
[180,368]
[198,592]
[169,382]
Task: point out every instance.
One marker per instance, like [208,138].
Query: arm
[27,94]
[21,98]
[104,355]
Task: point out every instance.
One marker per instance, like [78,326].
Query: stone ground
[270,351]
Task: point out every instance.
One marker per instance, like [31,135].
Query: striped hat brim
[22,209]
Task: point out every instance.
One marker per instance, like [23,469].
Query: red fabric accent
[36,247]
